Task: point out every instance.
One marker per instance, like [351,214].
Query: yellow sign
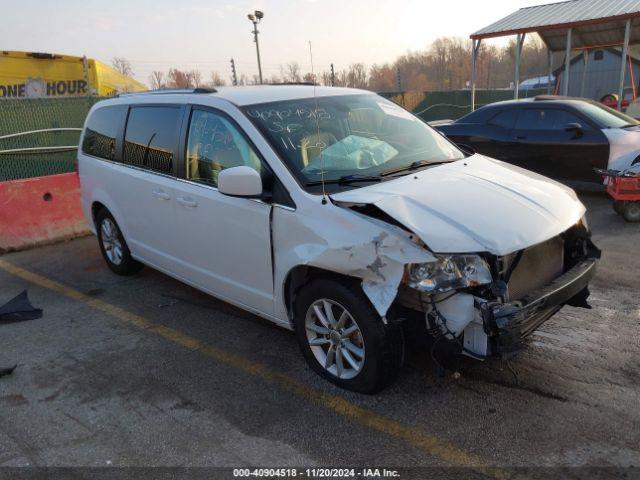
[34,75]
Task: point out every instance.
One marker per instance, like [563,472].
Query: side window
[214,144]
[546,119]
[564,118]
[505,119]
[151,138]
[102,129]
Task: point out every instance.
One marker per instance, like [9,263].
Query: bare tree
[217,80]
[382,78]
[157,80]
[179,79]
[291,73]
[196,78]
[309,77]
[122,65]
[274,79]
[326,78]
[357,75]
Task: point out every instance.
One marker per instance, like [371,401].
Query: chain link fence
[38,136]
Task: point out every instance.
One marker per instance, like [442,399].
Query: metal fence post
[567,64]
[519,44]
[623,63]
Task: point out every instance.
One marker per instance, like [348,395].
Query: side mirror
[240,181]
[574,127]
[466,149]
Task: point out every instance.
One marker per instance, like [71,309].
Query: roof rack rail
[170,91]
[294,83]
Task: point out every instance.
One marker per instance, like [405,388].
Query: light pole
[255,18]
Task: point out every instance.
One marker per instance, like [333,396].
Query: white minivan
[335,213]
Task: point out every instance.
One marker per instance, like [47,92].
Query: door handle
[521,137]
[187,202]
[161,195]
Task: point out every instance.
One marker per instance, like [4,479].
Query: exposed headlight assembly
[449,272]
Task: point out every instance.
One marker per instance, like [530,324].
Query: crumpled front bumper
[508,323]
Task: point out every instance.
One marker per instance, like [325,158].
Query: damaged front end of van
[499,267]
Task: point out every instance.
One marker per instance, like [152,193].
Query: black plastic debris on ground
[19,309]
[7,371]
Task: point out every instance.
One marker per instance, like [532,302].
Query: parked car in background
[559,137]
[334,213]
[538,82]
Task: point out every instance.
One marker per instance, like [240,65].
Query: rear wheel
[631,212]
[113,246]
[343,338]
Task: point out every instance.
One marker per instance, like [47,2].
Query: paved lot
[146,371]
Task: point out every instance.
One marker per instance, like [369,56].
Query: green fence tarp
[457,103]
[23,115]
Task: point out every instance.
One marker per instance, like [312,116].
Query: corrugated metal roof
[570,13]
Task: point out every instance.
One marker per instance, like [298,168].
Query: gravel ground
[202,383]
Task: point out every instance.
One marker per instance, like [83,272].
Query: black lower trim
[510,322]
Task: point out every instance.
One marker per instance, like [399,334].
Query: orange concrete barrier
[40,210]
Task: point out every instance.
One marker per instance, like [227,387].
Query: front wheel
[343,338]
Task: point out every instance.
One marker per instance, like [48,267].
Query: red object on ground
[40,210]
[625,189]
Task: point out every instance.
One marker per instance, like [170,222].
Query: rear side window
[505,119]
[151,138]
[101,132]
[546,119]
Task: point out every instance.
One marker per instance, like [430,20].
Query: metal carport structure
[569,25]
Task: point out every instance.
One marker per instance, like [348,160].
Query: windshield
[348,136]
[606,117]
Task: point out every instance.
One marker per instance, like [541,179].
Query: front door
[543,144]
[226,241]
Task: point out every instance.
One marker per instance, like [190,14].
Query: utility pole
[255,18]
[234,78]
[398,79]
[333,76]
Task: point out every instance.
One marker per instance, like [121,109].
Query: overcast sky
[205,34]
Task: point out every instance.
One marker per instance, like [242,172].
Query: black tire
[127,265]
[618,206]
[383,345]
[631,212]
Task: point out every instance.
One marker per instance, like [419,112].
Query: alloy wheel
[335,338]
[111,241]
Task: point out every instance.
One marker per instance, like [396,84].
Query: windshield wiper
[414,166]
[346,179]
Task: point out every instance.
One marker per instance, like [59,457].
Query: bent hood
[475,205]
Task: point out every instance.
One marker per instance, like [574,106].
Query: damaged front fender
[349,243]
